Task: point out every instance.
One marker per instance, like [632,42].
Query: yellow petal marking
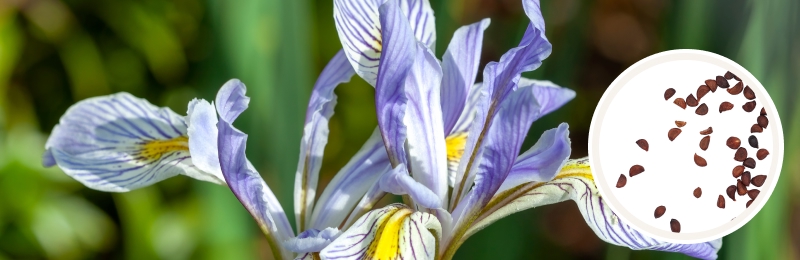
[455,147]
[152,150]
[386,244]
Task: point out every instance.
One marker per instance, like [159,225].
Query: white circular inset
[634,107]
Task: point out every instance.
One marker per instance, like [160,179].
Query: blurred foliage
[55,53]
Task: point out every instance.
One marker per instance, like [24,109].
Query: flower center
[153,150]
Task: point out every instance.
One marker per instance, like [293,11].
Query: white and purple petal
[575,182]
[315,136]
[231,100]
[460,67]
[311,240]
[398,182]
[542,161]
[351,183]
[201,119]
[244,181]
[427,152]
[392,232]
[118,143]
[359,27]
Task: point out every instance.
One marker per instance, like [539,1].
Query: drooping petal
[575,182]
[501,145]
[359,27]
[399,50]
[427,152]
[392,232]
[118,143]
[351,183]
[202,131]
[543,161]
[231,100]
[311,240]
[315,136]
[398,182]
[245,182]
[460,67]
[549,95]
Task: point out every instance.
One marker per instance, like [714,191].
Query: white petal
[202,131]
[392,232]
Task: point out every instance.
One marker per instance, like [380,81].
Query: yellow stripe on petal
[150,151]
[387,244]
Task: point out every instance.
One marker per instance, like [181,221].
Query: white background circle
[633,108]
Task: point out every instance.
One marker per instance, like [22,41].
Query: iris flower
[448,146]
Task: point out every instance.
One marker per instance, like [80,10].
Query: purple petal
[543,161]
[549,95]
[311,240]
[398,182]
[460,67]
[47,159]
[351,183]
[396,59]
[315,135]
[359,27]
[231,100]
[427,151]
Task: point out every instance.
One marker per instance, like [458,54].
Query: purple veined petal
[118,143]
[470,109]
[501,145]
[457,139]
[549,95]
[359,27]
[201,120]
[311,240]
[399,49]
[460,67]
[231,100]
[315,136]
[367,202]
[351,183]
[396,230]
[575,182]
[398,182]
[251,190]
[427,152]
[543,161]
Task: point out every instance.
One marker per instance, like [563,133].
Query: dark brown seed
[749,163]
[740,155]
[704,142]
[721,202]
[697,192]
[725,106]
[635,170]
[733,142]
[746,178]
[622,181]
[675,226]
[731,191]
[763,111]
[758,180]
[673,133]
[702,91]
[680,102]
[736,78]
[660,211]
[749,106]
[669,93]
[762,121]
[762,153]
[736,89]
[712,84]
[680,123]
[701,110]
[756,129]
[748,203]
[740,188]
[753,193]
[729,75]
[737,171]
[722,83]
[643,144]
[700,161]
[753,141]
[748,93]
[691,101]
[708,131]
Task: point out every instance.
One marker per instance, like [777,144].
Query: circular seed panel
[694,152]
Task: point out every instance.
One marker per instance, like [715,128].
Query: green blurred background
[55,53]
